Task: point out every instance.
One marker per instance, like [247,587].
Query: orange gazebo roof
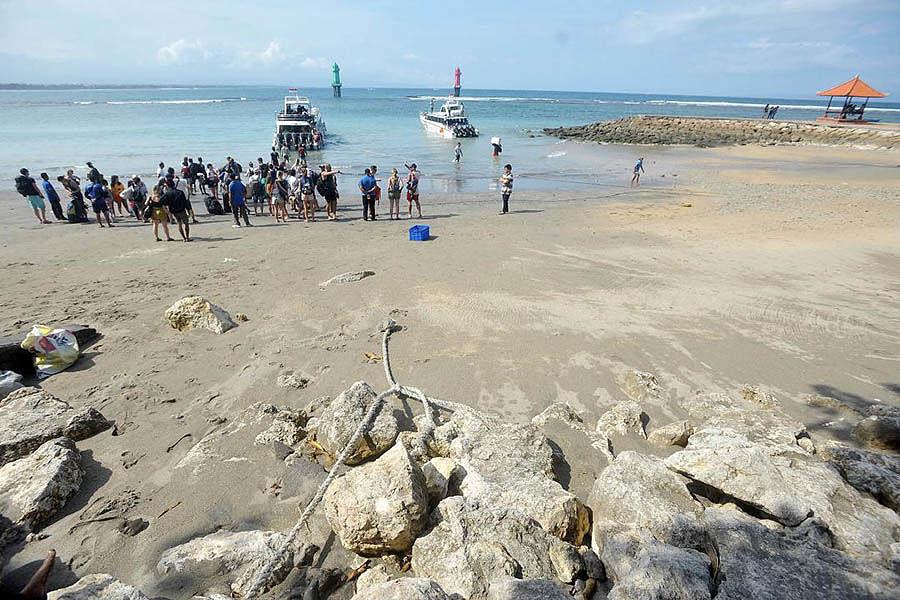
[856,87]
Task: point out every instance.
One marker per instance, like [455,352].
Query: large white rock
[756,561]
[787,486]
[34,488]
[97,586]
[471,546]
[378,507]
[236,555]
[31,416]
[510,588]
[646,528]
[623,418]
[409,588]
[871,472]
[511,465]
[673,434]
[343,415]
[196,312]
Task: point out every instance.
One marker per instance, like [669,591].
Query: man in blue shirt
[237,195]
[367,186]
[52,197]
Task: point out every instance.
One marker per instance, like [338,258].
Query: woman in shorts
[116,188]
[280,194]
[394,187]
[308,195]
[159,213]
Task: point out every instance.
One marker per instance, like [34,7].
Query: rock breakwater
[726,132]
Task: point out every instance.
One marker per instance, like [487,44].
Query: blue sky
[767,48]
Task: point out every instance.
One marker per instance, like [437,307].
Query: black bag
[214,207]
[25,186]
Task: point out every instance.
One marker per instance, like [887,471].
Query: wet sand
[783,272]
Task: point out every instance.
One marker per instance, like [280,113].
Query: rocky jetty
[705,132]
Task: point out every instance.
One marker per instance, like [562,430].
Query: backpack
[323,186]
[24,186]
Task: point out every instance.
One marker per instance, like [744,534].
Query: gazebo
[855,88]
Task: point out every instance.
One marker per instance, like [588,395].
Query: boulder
[510,588]
[646,569]
[441,476]
[287,428]
[625,417]
[471,545]
[34,488]
[31,416]
[870,472]
[755,561]
[638,493]
[673,434]
[786,487]
[511,465]
[379,507]
[343,415]
[646,526]
[409,588]
[641,386]
[236,555]
[97,586]
[879,431]
[196,312]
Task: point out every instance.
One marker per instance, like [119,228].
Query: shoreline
[779,275]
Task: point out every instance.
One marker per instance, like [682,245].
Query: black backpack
[25,186]
[322,185]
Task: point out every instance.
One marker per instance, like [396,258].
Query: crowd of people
[273,188]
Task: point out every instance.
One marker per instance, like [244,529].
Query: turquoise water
[127,131]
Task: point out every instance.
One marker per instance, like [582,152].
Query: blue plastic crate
[419,233]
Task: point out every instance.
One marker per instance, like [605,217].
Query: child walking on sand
[638,169]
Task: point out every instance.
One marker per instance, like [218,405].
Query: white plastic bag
[55,349]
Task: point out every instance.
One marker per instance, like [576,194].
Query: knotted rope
[263,579]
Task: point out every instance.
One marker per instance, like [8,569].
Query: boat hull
[440,129]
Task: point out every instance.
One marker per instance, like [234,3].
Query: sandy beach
[771,267]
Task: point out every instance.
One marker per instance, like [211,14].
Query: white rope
[262,579]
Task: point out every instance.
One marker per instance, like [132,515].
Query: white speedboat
[299,124]
[450,121]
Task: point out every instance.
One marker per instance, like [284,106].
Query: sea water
[129,131]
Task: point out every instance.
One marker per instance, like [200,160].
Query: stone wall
[725,132]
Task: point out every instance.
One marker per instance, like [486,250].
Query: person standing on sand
[329,189]
[237,194]
[52,197]
[374,171]
[506,187]
[412,190]
[116,188]
[178,206]
[367,187]
[27,187]
[76,212]
[159,212]
[97,194]
[307,186]
[638,169]
[280,192]
[160,171]
[93,175]
[394,187]
[457,152]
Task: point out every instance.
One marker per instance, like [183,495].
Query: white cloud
[272,54]
[321,64]
[409,56]
[182,52]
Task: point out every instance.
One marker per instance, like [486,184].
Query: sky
[760,48]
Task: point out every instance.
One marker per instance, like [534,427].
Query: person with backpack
[97,194]
[412,190]
[52,197]
[139,195]
[27,187]
[178,206]
[280,194]
[307,186]
[394,187]
[328,187]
